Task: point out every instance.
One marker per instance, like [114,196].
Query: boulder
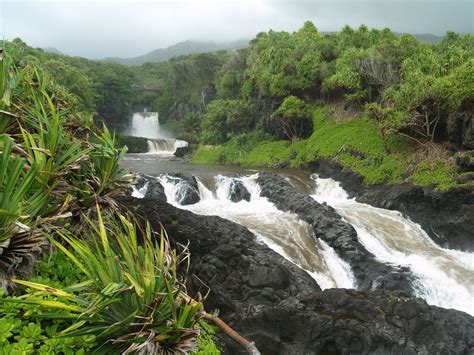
[238,192]
[150,187]
[187,192]
[182,151]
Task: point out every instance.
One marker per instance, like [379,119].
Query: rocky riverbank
[447,216]
[327,225]
[281,308]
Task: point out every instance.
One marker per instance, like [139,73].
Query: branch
[249,346]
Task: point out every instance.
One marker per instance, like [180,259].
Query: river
[444,277]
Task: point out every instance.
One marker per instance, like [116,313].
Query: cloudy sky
[105,28]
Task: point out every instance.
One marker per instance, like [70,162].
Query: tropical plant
[133,299]
[105,158]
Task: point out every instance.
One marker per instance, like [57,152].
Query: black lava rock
[182,151]
[281,308]
[238,192]
[327,225]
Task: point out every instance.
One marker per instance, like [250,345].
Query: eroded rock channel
[309,284]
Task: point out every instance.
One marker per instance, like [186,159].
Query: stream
[443,277]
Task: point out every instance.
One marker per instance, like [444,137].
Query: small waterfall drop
[281,231]
[444,277]
[147,125]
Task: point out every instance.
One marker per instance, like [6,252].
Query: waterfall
[444,277]
[147,125]
[283,232]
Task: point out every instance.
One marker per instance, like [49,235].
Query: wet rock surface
[279,306]
[445,215]
[238,192]
[341,236]
[188,193]
[182,151]
[154,189]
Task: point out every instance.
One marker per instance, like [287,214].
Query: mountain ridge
[180,48]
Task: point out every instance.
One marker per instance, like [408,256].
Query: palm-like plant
[134,300]
[19,203]
[106,158]
[46,172]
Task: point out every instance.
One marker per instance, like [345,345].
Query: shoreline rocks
[271,301]
[447,216]
[327,225]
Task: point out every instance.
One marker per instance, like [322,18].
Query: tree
[294,116]
[225,118]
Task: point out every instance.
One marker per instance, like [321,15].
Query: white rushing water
[445,277]
[147,125]
[281,231]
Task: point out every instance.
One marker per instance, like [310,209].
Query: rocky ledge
[282,309]
[327,225]
[447,216]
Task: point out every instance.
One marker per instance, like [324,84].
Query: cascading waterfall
[445,277]
[147,125]
[281,231]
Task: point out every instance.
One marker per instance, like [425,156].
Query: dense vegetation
[112,283]
[388,106]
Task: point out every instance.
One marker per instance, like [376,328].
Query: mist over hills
[181,48]
[193,47]
[53,50]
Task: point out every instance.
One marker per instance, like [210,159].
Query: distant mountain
[182,48]
[428,37]
[53,50]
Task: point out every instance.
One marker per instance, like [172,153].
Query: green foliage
[47,171]
[253,149]
[282,64]
[131,295]
[32,333]
[293,116]
[106,158]
[434,173]
[225,118]
[17,201]
[207,339]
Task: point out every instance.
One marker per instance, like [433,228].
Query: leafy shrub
[34,332]
[434,173]
[132,299]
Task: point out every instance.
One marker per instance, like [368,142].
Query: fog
[98,29]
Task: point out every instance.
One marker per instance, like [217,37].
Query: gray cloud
[97,29]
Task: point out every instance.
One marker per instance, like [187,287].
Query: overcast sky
[97,29]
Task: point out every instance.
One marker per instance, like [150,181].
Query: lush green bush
[436,173]
[294,117]
[131,298]
[35,332]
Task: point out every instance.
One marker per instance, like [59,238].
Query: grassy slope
[355,144]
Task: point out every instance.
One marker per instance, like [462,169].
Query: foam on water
[444,277]
[281,231]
